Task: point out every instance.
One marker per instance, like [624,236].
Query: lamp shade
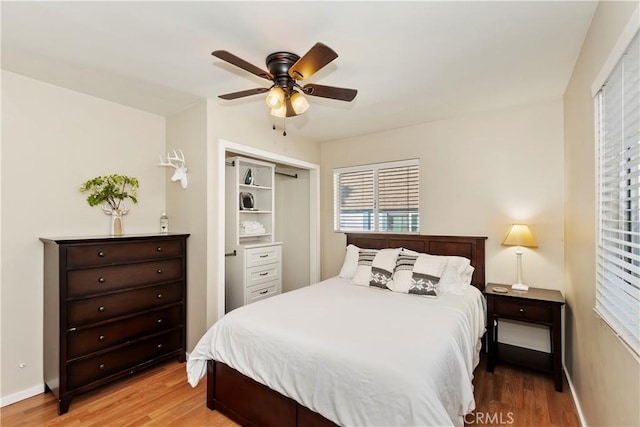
[520,235]
[275,98]
[280,112]
[299,103]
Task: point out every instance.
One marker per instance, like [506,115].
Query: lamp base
[519,287]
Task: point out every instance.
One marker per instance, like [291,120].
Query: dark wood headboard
[465,246]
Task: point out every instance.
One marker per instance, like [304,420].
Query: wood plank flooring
[161,396]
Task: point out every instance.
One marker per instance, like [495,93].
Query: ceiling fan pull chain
[284,126]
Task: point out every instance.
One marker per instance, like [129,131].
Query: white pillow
[350,263]
[418,275]
[375,267]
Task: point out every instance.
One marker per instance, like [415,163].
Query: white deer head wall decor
[180,167]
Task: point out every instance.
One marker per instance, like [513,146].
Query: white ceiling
[412,62]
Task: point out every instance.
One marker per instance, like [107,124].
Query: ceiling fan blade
[241,63]
[339,93]
[243,93]
[317,57]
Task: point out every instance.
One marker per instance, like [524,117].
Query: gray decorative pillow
[375,267]
[418,275]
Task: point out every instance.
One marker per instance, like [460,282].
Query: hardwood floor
[161,396]
[520,397]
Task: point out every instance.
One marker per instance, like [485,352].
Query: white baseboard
[583,422]
[21,395]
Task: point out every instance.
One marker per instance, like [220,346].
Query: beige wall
[292,228]
[605,375]
[186,208]
[478,174]
[53,140]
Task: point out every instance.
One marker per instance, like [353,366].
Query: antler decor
[180,167]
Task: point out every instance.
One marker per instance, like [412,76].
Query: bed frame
[252,404]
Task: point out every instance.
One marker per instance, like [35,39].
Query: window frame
[375,214]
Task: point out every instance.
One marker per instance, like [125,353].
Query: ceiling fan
[285,96]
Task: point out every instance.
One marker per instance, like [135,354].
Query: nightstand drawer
[521,310]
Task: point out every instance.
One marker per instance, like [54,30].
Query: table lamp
[520,236]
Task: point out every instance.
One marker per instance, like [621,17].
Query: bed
[335,353]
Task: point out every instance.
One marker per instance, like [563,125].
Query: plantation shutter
[380,197]
[618,250]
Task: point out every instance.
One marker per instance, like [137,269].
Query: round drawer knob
[159,346]
[101,280]
[159,296]
[101,308]
[159,271]
[159,321]
[101,254]
[159,249]
[101,337]
[522,311]
[101,366]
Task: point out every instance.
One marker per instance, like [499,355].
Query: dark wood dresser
[112,306]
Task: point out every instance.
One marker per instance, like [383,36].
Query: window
[379,197]
[618,161]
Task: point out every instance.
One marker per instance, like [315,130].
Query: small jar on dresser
[112,306]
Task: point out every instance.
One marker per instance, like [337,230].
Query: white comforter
[357,355]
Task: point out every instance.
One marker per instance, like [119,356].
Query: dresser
[253,274]
[112,306]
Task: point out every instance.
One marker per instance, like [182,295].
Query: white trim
[618,50]
[21,395]
[314,208]
[583,421]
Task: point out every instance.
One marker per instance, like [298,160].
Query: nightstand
[536,306]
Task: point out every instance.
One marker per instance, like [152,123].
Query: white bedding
[357,355]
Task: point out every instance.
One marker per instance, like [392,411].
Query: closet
[253,268]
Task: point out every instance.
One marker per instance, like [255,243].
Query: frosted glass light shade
[520,235]
[280,112]
[299,103]
[275,98]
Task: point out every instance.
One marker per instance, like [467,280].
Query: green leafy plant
[111,189]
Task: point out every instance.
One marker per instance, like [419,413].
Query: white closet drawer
[262,256]
[258,292]
[262,274]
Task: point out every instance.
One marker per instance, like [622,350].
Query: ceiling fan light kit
[285,97]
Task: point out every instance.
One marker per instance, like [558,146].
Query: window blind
[379,197]
[618,160]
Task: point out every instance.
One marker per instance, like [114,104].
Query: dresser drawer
[258,292]
[262,274]
[113,253]
[80,343]
[86,371]
[262,256]
[103,279]
[522,310]
[106,307]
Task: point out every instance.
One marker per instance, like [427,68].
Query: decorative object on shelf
[164,222]
[180,167]
[246,202]
[248,177]
[112,190]
[251,227]
[520,236]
